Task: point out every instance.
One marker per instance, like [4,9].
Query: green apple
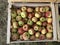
[42,19]
[42,9]
[14,30]
[23,14]
[13,15]
[39,23]
[18,18]
[37,9]
[21,23]
[19,12]
[30,22]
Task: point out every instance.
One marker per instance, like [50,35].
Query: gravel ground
[3,27]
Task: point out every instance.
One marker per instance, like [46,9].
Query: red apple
[42,37]
[32,37]
[20,30]
[48,14]
[25,27]
[44,23]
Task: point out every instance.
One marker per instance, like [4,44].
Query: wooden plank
[33,0]
[58,1]
[57,22]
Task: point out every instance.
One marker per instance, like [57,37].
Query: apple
[14,36]
[39,23]
[19,12]
[26,36]
[21,37]
[31,31]
[15,25]
[23,9]
[30,15]
[29,10]
[37,15]
[13,20]
[49,35]
[40,29]
[25,27]
[23,14]
[37,9]
[21,23]
[36,28]
[30,22]
[49,20]
[46,8]
[14,30]
[13,15]
[34,19]
[37,34]
[42,37]
[20,30]
[18,18]
[48,14]
[32,37]
[44,23]
[42,19]
[43,31]
[42,9]
[50,28]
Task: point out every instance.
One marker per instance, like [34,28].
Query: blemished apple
[18,18]
[18,12]
[15,25]
[36,28]
[26,36]
[21,23]
[50,28]
[32,37]
[29,10]
[43,31]
[48,14]
[37,34]
[25,27]
[37,15]
[31,31]
[49,35]
[34,19]
[20,30]
[23,9]
[39,23]
[37,9]
[14,36]
[49,20]
[23,14]
[42,37]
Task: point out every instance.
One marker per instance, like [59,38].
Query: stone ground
[3,27]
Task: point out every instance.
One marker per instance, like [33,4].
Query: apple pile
[31,23]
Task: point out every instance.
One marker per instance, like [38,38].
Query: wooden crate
[32,0]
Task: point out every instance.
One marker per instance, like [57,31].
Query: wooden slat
[58,1]
[33,0]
